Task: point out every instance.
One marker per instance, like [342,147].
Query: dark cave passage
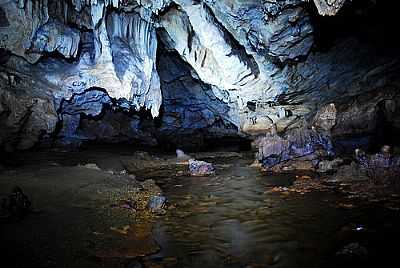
[371,22]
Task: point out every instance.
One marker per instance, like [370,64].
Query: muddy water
[231,219]
[234,220]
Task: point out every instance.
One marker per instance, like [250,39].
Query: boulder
[200,168]
[382,167]
[298,143]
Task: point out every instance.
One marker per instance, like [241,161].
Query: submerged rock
[329,165]
[200,168]
[157,203]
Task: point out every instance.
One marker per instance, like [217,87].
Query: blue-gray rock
[296,143]
[200,168]
[208,69]
[156,203]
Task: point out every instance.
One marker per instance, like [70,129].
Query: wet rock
[200,168]
[301,147]
[156,203]
[140,198]
[293,165]
[329,166]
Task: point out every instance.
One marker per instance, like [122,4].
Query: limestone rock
[326,117]
[118,55]
[25,118]
[274,149]
[201,66]
[156,203]
[134,47]
[55,36]
[200,168]
[20,22]
[329,7]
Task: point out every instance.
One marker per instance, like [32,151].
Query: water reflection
[231,220]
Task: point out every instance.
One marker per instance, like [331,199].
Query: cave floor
[231,219]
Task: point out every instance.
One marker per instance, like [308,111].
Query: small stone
[156,203]
[329,166]
[200,168]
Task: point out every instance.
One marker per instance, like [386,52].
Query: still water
[234,220]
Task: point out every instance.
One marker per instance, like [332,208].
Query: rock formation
[329,7]
[155,71]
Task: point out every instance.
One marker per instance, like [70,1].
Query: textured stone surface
[329,7]
[382,167]
[55,36]
[239,56]
[297,144]
[26,116]
[206,69]
[190,113]
[190,105]
[200,168]
[117,55]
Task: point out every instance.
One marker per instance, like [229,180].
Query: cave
[199,133]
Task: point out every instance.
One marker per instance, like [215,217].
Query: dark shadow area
[387,131]
[373,23]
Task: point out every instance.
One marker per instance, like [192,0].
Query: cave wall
[89,70]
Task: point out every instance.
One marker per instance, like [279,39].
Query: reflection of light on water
[233,233]
[231,216]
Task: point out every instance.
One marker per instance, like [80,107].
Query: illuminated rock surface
[210,69]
